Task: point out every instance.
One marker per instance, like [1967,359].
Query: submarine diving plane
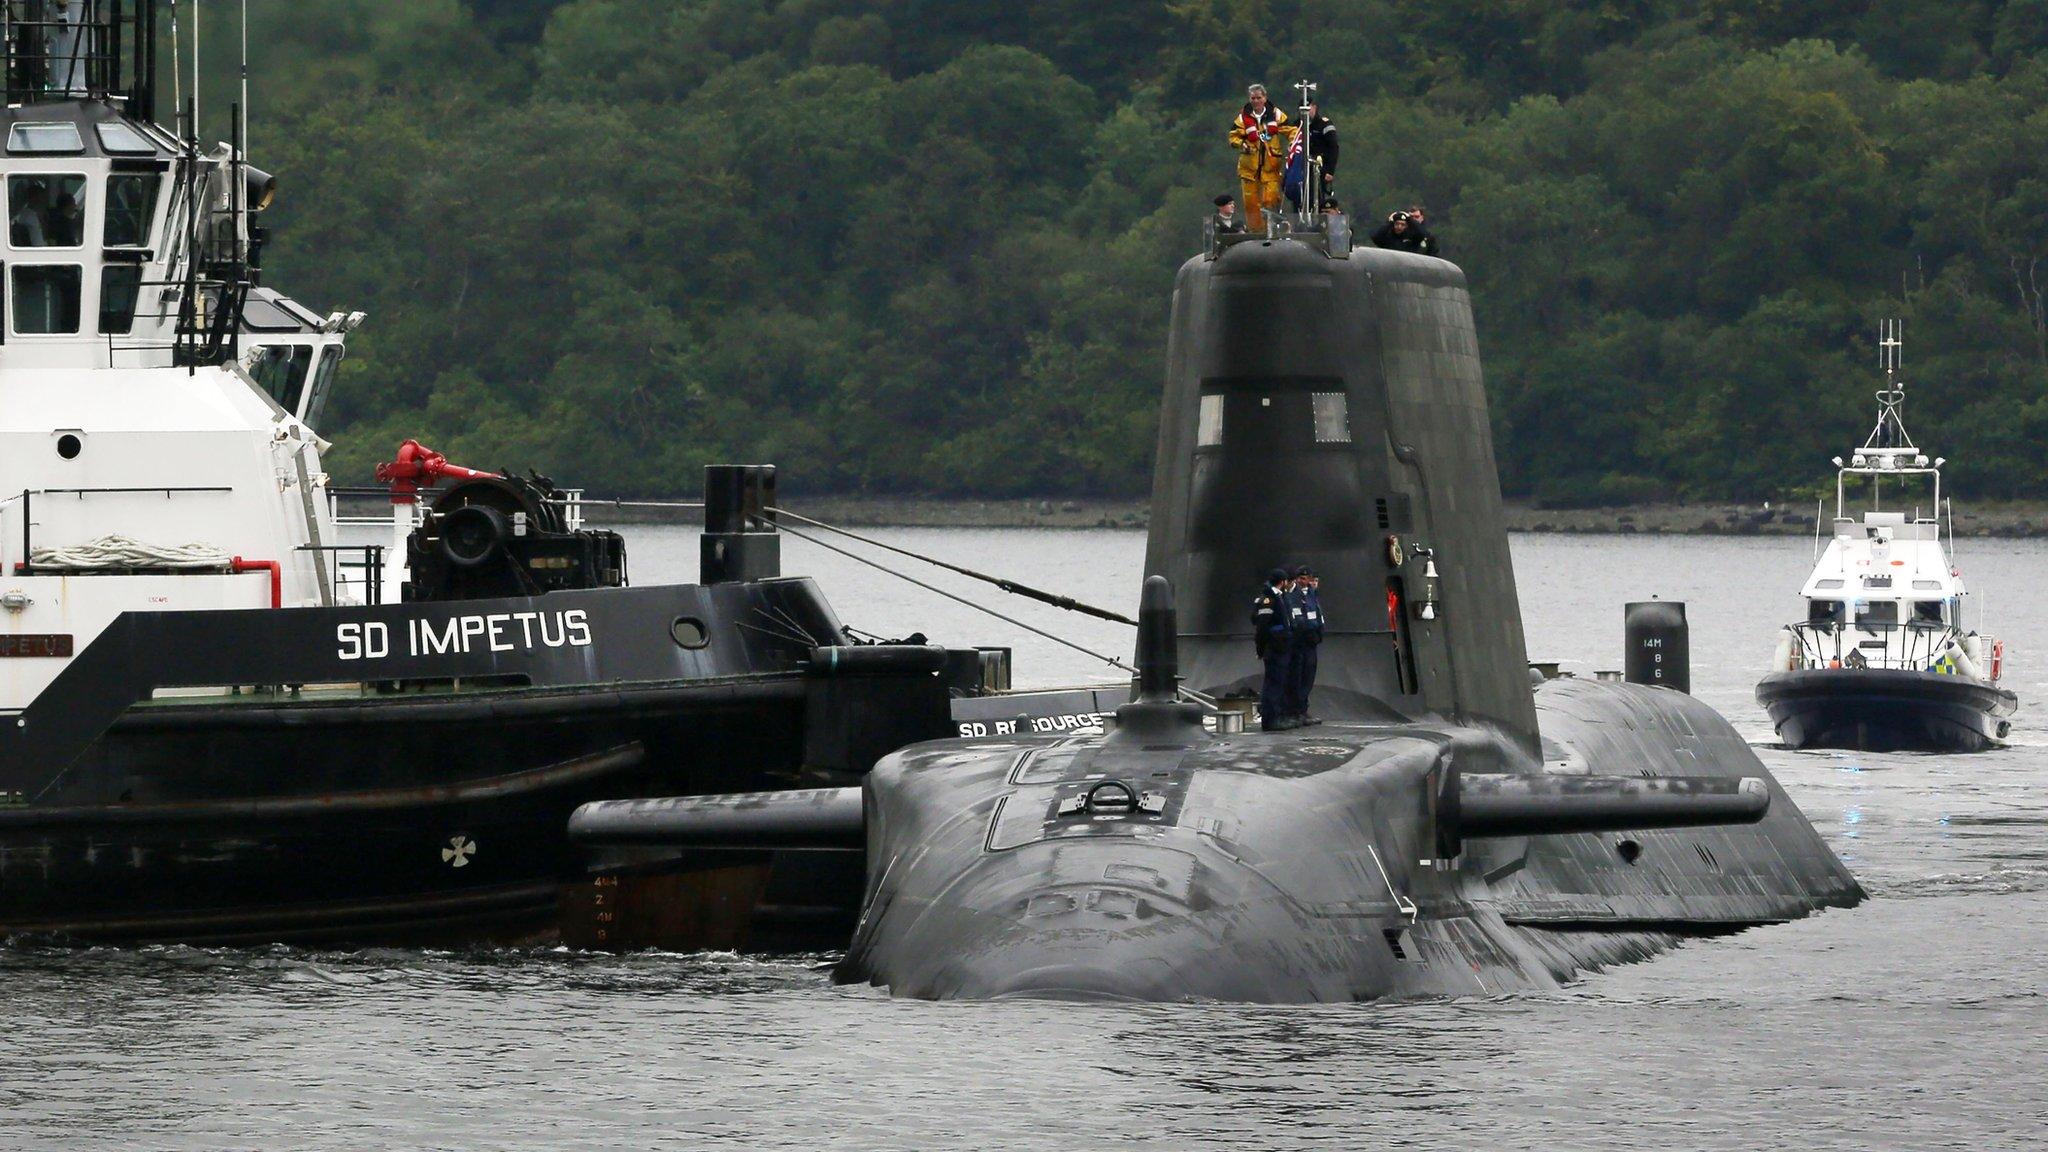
[1451,829]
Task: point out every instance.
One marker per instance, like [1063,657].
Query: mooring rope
[1061,640]
[1010,586]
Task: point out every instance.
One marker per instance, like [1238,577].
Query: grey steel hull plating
[1300,867]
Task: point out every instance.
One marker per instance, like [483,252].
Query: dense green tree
[913,246]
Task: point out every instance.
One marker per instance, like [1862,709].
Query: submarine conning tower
[1325,407]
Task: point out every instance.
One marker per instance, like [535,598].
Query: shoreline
[2010,520]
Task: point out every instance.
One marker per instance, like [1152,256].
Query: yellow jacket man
[1261,134]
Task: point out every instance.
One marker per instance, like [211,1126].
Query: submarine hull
[1885,710]
[1292,868]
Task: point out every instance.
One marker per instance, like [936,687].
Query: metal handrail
[371,565]
[1822,644]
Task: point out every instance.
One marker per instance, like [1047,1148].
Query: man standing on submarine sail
[1260,134]
[1272,637]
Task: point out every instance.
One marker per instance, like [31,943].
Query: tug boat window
[281,372]
[1209,421]
[1333,417]
[45,139]
[131,209]
[46,211]
[323,383]
[46,298]
[120,284]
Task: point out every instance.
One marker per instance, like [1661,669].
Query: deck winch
[507,535]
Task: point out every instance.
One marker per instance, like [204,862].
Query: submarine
[1453,828]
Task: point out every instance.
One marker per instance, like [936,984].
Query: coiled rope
[117,551]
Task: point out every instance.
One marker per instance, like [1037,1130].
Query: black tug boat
[218,723]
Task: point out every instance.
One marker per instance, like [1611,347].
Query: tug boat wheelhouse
[1884,660]
[219,722]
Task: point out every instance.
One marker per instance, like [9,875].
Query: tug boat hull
[1885,710]
[423,812]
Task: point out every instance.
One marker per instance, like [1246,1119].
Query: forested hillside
[925,246]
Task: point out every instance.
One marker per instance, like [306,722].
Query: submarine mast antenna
[1311,182]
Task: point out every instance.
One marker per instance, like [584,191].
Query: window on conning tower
[1333,418]
[1209,421]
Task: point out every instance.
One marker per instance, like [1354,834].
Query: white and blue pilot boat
[1886,659]
[221,721]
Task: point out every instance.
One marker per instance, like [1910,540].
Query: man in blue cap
[1305,606]
[1272,637]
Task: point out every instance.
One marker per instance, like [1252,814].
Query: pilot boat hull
[1885,710]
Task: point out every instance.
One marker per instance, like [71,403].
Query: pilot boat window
[1872,614]
[121,139]
[120,284]
[1333,418]
[131,208]
[1927,585]
[1926,611]
[46,211]
[1827,584]
[281,372]
[1209,422]
[44,139]
[1823,611]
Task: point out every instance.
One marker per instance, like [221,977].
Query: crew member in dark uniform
[1272,635]
[1225,218]
[1418,232]
[1395,234]
[1307,634]
[1321,136]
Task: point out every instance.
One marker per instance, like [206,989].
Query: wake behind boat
[1884,661]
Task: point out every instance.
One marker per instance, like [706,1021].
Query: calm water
[1915,1021]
